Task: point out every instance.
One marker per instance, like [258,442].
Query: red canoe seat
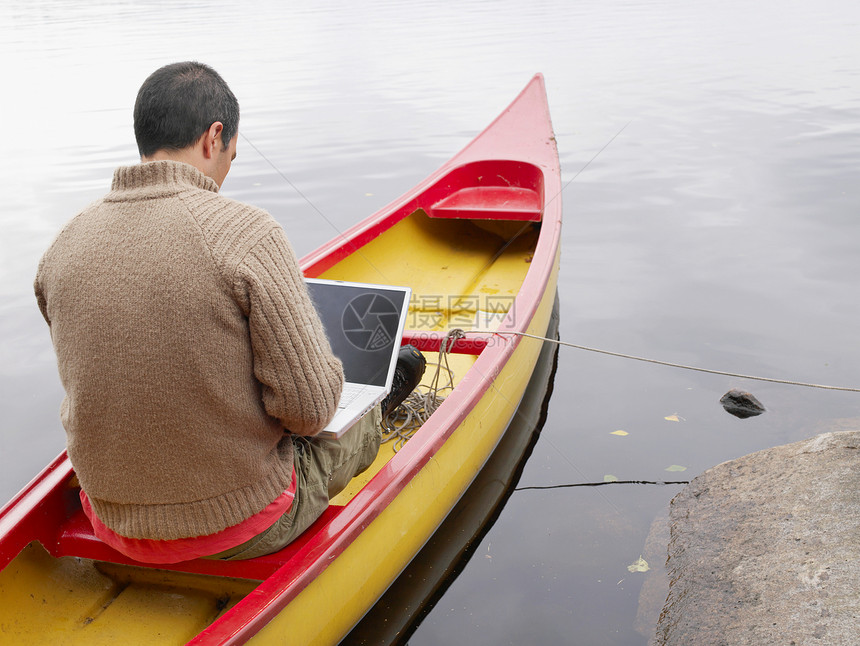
[493,202]
[497,189]
[75,538]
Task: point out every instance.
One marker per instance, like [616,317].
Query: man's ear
[212,140]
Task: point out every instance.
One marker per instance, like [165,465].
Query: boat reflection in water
[399,612]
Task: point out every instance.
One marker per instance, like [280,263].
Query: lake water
[720,228]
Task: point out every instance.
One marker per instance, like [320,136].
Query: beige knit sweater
[186,343]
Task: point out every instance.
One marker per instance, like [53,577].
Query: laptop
[364,325]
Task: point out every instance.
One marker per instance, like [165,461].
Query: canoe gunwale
[19,522]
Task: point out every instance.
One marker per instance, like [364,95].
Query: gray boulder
[765,549]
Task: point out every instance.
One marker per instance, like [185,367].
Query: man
[195,366]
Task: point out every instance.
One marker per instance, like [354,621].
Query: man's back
[153,298]
[195,365]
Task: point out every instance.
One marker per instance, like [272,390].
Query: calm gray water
[720,228]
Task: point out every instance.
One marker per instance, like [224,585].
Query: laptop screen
[363,324]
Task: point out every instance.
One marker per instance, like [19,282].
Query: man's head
[186,111]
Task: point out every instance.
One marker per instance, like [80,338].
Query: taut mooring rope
[666,363]
[424,400]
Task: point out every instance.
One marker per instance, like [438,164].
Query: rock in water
[764,549]
[741,404]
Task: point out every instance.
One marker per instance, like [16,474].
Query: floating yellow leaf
[621,433]
[674,418]
[610,478]
[640,565]
[368,195]
[676,467]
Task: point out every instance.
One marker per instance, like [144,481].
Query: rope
[417,408]
[422,402]
[667,363]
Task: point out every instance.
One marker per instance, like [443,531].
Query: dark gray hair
[176,105]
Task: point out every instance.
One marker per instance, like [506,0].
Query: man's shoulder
[247,212]
[231,228]
[219,208]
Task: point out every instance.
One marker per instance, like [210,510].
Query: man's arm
[40,292]
[301,378]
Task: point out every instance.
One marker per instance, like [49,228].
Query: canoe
[479,244]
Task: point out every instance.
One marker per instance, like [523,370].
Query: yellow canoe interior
[463,273]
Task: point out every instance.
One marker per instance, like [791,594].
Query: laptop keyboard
[350,392]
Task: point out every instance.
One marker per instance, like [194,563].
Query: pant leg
[337,461]
[324,467]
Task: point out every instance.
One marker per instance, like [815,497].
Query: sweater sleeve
[301,378]
[39,290]
[40,299]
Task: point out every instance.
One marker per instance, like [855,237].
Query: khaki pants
[323,469]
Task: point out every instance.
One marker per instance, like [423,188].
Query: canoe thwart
[430,341]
